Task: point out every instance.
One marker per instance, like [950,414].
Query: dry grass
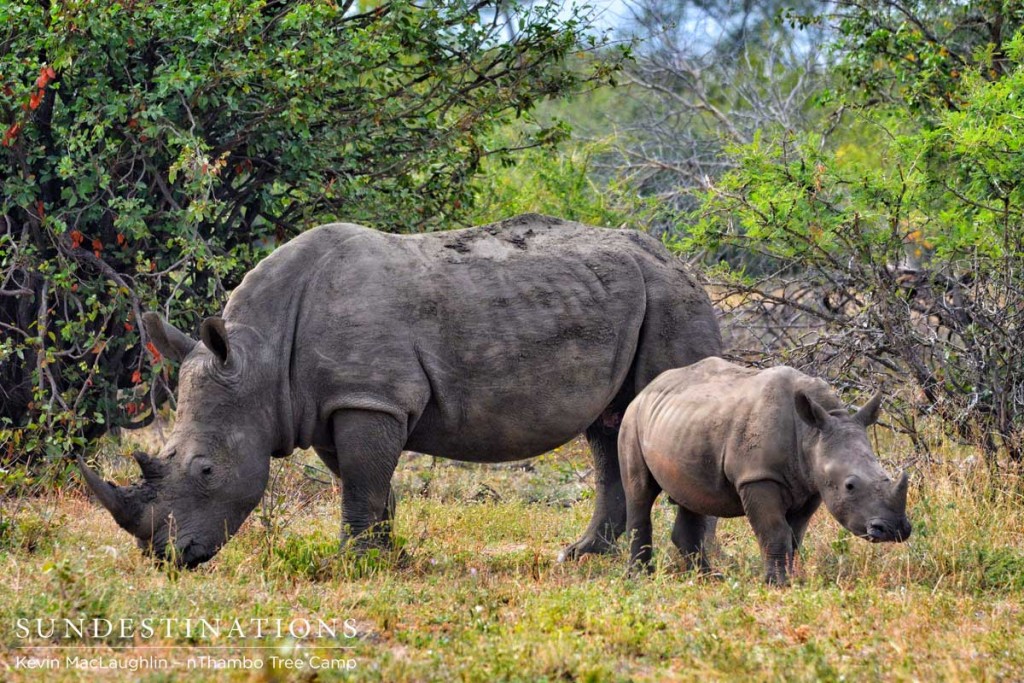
[479,595]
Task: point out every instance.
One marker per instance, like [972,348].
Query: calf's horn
[899,491]
[868,414]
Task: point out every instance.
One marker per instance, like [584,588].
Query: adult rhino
[487,344]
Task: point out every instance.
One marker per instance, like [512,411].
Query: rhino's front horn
[120,505]
[899,492]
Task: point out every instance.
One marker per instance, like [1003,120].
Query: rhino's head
[853,485]
[214,467]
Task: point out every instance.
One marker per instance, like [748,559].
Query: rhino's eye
[850,485]
[200,466]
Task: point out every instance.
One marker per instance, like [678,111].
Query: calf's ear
[809,410]
[215,336]
[168,339]
[868,415]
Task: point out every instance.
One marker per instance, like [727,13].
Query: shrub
[152,152]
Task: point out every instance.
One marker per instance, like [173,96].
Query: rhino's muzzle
[188,557]
[888,531]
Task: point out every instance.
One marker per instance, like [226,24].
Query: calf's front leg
[764,506]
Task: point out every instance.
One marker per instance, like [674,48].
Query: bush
[902,265]
[152,152]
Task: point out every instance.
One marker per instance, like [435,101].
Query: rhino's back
[498,342]
[713,426]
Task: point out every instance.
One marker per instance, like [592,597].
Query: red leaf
[128,327]
[11,133]
[39,209]
[50,73]
[153,351]
[35,99]
[97,245]
[120,239]
[76,238]
[136,377]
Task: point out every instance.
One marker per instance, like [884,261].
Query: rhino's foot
[368,553]
[639,568]
[697,564]
[705,574]
[777,577]
[598,544]
[368,542]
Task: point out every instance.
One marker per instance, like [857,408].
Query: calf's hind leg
[641,491]
[689,534]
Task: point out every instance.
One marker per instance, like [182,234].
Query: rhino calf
[723,440]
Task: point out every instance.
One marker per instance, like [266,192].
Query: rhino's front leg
[367,446]
[765,508]
[799,518]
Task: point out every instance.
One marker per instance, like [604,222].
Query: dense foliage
[152,152]
[895,239]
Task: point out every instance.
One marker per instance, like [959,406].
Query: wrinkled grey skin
[773,444]
[485,345]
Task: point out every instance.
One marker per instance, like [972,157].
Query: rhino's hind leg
[368,445]
[609,520]
[690,534]
[641,492]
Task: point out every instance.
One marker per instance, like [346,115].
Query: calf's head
[853,485]
[214,467]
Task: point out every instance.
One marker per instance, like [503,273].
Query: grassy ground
[479,595]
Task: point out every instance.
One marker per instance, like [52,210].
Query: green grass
[477,594]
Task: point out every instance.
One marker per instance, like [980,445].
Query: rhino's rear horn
[868,414]
[152,468]
[169,340]
[116,500]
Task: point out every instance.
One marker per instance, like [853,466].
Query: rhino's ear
[809,410]
[168,339]
[215,336]
[868,415]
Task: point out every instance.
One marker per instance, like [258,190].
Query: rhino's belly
[518,429]
[481,448]
[694,480]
